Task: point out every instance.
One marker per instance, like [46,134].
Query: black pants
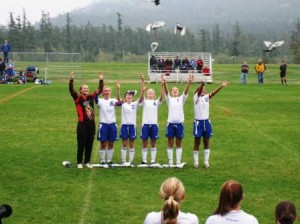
[85,140]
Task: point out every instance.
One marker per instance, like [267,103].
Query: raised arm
[101,83]
[186,89]
[164,83]
[161,92]
[199,88]
[224,83]
[71,85]
[118,91]
[143,88]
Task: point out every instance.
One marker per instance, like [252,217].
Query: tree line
[91,40]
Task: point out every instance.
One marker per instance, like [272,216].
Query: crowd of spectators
[168,65]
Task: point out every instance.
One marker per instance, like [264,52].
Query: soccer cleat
[178,162]
[102,163]
[153,162]
[206,165]
[88,165]
[144,163]
[171,162]
[109,164]
[79,166]
[196,166]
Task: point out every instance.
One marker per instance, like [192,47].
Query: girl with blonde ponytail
[172,192]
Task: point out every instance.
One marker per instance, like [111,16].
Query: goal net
[51,65]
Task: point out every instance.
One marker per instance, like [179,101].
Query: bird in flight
[155,25]
[156,2]
[272,46]
[179,28]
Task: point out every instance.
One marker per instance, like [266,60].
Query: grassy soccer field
[256,141]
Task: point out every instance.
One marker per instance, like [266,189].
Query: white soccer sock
[102,155]
[123,154]
[153,155]
[131,155]
[196,157]
[144,154]
[110,153]
[206,155]
[178,154]
[170,154]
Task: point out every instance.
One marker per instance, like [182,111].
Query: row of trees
[90,40]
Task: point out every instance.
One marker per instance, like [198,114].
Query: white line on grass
[87,199]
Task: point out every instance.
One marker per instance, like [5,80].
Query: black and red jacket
[85,104]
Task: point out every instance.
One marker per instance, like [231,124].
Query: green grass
[256,141]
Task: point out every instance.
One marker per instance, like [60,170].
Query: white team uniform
[201,107]
[182,218]
[107,113]
[175,105]
[129,113]
[232,217]
[150,111]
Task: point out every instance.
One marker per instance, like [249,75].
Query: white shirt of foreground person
[236,217]
[182,218]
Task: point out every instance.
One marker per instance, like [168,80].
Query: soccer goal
[51,65]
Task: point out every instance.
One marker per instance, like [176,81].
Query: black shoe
[143,163]
[153,162]
[110,164]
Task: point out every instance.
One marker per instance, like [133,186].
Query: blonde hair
[172,192]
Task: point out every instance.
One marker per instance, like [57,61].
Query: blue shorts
[202,128]
[175,130]
[128,132]
[149,131]
[107,132]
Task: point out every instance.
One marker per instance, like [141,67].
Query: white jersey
[129,112]
[150,111]
[201,107]
[183,218]
[232,217]
[175,104]
[107,113]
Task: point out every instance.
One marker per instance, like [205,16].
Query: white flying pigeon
[272,46]
[180,29]
[155,25]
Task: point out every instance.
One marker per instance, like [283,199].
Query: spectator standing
[229,210]
[172,192]
[285,213]
[283,67]
[84,102]
[244,73]
[107,131]
[10,71]
[202,126]
[175,127]
[6,50]
[2,67]
[260,68]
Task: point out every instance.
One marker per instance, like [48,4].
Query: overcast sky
[34,8]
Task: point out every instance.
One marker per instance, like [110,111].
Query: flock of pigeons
[155,25]
[270,46]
